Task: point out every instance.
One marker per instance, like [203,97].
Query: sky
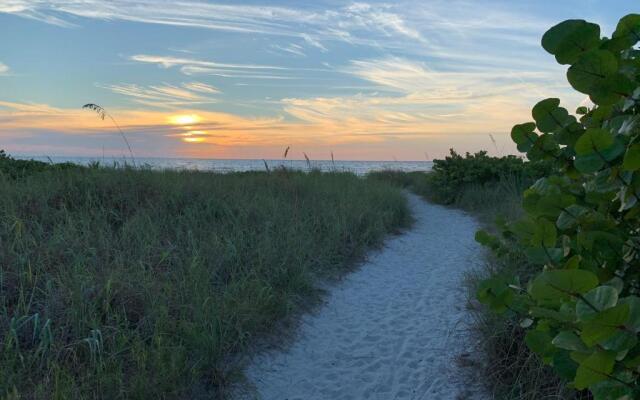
[403,80]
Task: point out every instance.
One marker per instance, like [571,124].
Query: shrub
[14,169]
[581,224]
[455,172]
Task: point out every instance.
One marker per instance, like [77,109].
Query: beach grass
[133,283]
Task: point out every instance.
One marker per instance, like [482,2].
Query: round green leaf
[592,72]
[555,284]
[594,140]
[634,312]
[611,390]
[569,341]
[570,216]
[620,341]
[524,136]
[564,365]
[601,298]
[604,324]
[545,234]
[539,342]
[550,117]
[628,31]
[568,39]
[632,158]
[594,369]
[588,163]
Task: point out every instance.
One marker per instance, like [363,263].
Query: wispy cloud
[291,48]
[4,69]
[356,22]
[190,66]
[166,96]
[168,62]
[200,87]
[313,42]
[416,77]
[425,101]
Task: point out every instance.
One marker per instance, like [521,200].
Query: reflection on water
[357,167]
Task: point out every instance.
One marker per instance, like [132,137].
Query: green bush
[456,179]
[14,169]
[126,283]
[451,175]
[581,228]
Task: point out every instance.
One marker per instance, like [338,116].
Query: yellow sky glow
[319,126]
[185,119]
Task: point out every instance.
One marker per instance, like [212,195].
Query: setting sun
[186,119]
[190,139]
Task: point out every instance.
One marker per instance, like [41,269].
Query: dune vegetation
[562,280]
[133,283]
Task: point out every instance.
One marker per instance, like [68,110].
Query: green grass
[125,283]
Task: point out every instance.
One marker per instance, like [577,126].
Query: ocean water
[223,166]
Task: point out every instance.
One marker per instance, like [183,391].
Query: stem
[133,159]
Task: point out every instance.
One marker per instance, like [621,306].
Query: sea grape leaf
[562,315]
[564,365]
[601,298]
[604,324]
[594,369]
[496,294]
[545,147]
[544,234]
[570,216]
[549,204]
[594,148]
[588,163]
[616,283]
[620,341]
[594,140]
[550,117]
[632,158]
[540,343]
[524,136]
[611,390]
[555,284]
[628,31]
[569,341]
[569,134]
[568,39]
[634,312]
[595,74]
[542,255]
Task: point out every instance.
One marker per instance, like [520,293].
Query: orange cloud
[363,127]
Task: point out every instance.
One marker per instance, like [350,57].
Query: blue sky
[366,80]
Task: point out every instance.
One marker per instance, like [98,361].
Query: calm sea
[357,167]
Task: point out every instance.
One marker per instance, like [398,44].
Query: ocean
[224,166]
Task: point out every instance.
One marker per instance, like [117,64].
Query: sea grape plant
[582,222]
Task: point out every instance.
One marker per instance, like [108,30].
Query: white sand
[393,329]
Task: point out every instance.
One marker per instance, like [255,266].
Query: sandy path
[390,330]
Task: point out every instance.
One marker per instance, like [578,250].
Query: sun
[185,119]
[193,139]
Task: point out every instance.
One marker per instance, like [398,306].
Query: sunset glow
[372,80]
[185,119]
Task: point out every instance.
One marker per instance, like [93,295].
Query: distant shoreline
[240,165]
